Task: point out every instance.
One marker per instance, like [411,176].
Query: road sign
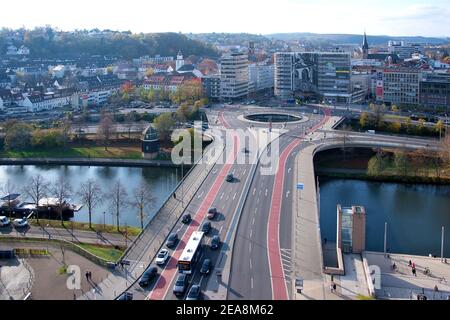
[300,186]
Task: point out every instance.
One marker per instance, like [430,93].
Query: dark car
[212,213]
[180,285]
[194,293]
[206,227]
[126,296]
[206,266]
[148,276]
[186,219]
[215,243]
[172,240]
[230,178]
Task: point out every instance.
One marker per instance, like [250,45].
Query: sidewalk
[77,236]
[307,259]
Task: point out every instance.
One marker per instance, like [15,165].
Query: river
[161,182]
[415,214]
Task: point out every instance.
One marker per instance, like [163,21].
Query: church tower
[180,61]
[365,47]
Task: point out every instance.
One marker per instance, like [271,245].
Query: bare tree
[106,129]
[129,123]
[36,189]
[61,191]
[90,194]
[118,200]
[142,199]
[445,148]
[9,188]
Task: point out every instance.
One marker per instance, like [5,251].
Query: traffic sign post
[300,187]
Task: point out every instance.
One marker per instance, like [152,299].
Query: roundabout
[264,118]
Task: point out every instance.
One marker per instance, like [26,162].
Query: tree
[9,189]
[378,111]
[106,129]
[36,188]
[61,190]
[395,126]
[17,135]
[118,200]
[401,162]
[445,148]
[440,128]
[183,112]
[142,199]
[164,124]
[129,122]
[90,195]
[364,120]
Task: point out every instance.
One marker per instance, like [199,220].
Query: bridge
[269,230]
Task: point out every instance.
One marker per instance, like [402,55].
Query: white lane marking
[287,193]
[234,197]
[267,191]
[251,265]
[201,194]
[220,231]
[250,247]
[251,280]
[256,210]
[253,221]
[245,171]
[254,191]
[251,233]
[289,170]
[221,196]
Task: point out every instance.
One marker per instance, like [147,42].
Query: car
[172,240]
[20,223]
[186,219]
[148,276]
[212,212]
[162,257]
[206,227]
[194,293]
[4,221]
[126,296]
[179,288]
[206,267]
[230,178]
[215,243]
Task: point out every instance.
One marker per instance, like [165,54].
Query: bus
[191,253]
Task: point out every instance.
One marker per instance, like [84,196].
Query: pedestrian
[175,196]
[410,263]
[414,272]
[413,265]
[334,287]
[331,287]
[394,267]
[90,275]
[436,288]
[87,275]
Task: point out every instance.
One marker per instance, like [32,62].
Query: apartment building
[401,85]
[234,75]
[404,50]
[261,76]
[434,90]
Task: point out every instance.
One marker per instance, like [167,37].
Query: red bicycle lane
[279,288]
[170,270]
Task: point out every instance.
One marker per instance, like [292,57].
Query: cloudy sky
[378,17]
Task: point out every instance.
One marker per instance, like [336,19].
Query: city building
[401,85]
[261,77]
[211,86]
[365,47]
[180,61]
[351,229]
[434,90]
[168,82]
[305,74]
[404,50]
[233,75]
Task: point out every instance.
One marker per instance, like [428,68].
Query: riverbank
[365,164]
[84,226]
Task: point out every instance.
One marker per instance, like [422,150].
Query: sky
[377,17]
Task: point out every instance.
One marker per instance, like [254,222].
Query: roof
[186,68]
[365,43]
[191,246]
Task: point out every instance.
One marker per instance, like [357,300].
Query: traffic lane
[250,248]
[226,204]
[169,272]
[180,228]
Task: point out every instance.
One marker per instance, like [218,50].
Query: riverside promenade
[140,253]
